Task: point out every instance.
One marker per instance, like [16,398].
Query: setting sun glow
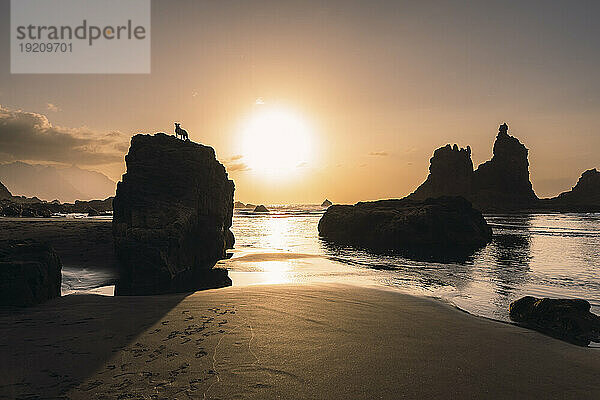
[276,142]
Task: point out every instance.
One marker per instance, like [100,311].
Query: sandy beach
[280,341]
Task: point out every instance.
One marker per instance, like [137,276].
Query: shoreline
[263,341]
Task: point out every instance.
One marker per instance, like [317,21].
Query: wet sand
[314,341]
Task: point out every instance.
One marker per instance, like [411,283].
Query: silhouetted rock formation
[4,192]
[565,319]
[450,174]
[261,209]
[172,215]
[585,195]
[503,181]
[500,183]
[326,203]
[435,224]
[239,204]
[30,273]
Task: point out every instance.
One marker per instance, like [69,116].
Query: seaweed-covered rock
[436,223]
[30,273]
[566,319]
[172,215]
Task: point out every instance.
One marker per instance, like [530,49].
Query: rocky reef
[17,207]
[500,183]
[30,273]
[172,215]
[565,319]
[436,224]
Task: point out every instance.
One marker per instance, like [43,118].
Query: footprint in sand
[200,354]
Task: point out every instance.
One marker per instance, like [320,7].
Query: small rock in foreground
[565,319]
[30,273]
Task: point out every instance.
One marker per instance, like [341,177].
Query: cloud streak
[234,164]
[30,136]
[379,153]
[53,107]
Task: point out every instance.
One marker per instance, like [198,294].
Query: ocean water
[551,255]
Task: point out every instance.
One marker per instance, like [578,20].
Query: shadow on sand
[52,348]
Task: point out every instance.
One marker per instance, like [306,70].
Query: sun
[276,141]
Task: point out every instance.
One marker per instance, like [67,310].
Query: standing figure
[181,132]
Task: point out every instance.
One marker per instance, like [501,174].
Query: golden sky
[375,86]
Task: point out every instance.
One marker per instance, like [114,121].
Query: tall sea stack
[172,214]
[504,181]
[450,174]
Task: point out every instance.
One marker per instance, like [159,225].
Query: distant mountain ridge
[50,183]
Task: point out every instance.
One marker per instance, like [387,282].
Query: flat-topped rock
[172,214]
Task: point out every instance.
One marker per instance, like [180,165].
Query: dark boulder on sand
[30,273]
[261,209]
[445,223]
[566,319]
[326,203]
[172,215]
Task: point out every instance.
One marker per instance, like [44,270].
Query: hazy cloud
[233,164]
[379,153]
[52,107]
[233,167]
[30,136]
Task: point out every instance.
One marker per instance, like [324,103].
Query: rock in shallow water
[30,273]
[261,209]
[172,215]
[566,319]
[445,223]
